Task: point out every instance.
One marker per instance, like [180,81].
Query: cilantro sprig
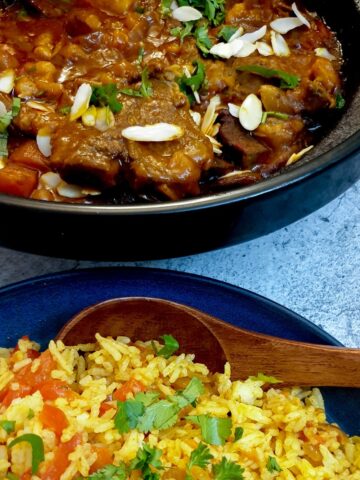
[287,80]
[147,460]
[106,96]
[227,470]
[272,465]
[226,32]
[171,345]
[214,430]
[37,448]
[239,431]
[145,89]
[110,472]
[189,85]
[5,121]
[213,10]
[340,101]
[199,457]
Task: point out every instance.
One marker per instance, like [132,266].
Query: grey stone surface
[311,266]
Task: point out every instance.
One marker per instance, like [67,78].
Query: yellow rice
[287,424]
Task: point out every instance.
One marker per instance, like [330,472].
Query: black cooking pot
[180,228]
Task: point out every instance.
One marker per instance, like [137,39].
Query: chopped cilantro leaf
[189,85]
[165,7]
[272,465]
[287,80]
[65,110]
[227,470]
[200,457]
[214,430]
[182,32]
[147,398]
[37,447]
[226,32]
[106,96]
[192,391]
[203,41]
[146,458]
[110,472]
[265,378]
[140,55]
[140,10]
[145,89]
[281,116]
[127,415]
[239,431]
[340,101]
[171,345]
[7,425]
[5,121]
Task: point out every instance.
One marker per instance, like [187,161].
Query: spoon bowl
[214,342]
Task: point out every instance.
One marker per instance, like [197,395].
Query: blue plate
[40,306]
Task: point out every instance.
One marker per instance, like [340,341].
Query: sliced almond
[264,49]
[68,190]
[296,156]
[251,112]
[186,14]
[227,50]
[43,140]
[196,117]
[236,35]
[104,119]
[234,110]
[246,50]
[3,110]
[89,117]
[299,15]
[158,132]
[42,107]
[50,180]
[253,37]
[215,145]
[81,101]
[324,53]
[210,114]
[284,25]
[7,81]
[279,44]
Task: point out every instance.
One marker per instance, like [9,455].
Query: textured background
[311,266]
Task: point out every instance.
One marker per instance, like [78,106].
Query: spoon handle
[295,363]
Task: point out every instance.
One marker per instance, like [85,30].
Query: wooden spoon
[214,342]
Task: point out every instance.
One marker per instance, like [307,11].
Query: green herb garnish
[128,414]
[213,10]
[183,31]
[140,57]
[287,80]
[226,32]
[214,430]
[65,110]
[227,470]
[165,7]
[200,457]
[145,89]
[140,10]
[106,96]
[203,41]
[260,377]
[11,476]
[5,121]
[146,458]
[7,425]
[171,345]
[37,447]
[189,85]
[272,465]
[239,431]
[340,101]
[110,472]
[281,116]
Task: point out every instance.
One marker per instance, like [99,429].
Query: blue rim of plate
[53,299]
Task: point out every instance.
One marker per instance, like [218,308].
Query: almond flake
[234,110]
[158,132]
[264,49]
[236,35]
[296,156]
[227,50]
[186,14]
[253,37]
[196,117]
[246,50]
[7,81]
[210,114]
[43,140]
[324,53]
[68,190]
[284,25]
[279,45]
[299,15]
[215,145]
[250,113]
[42,107]
[81,101]
[50,180]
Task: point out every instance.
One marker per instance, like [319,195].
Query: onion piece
[299,15]
[234,110]
[264,49]
[81,101]
[279,44]
[251,111]
[324,53]
[7,81]
[284,25]
[43,140]
[253,37]
[186,14]
[158,132]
